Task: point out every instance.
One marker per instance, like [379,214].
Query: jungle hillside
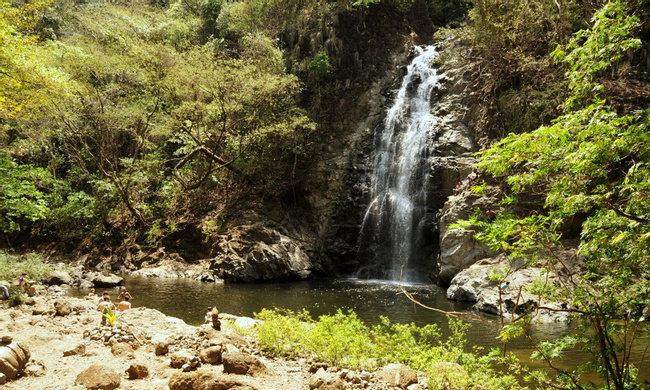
[156,124]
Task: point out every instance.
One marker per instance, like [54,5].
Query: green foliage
[283,333]
[16,299]
[320,65]
[21,200]
[135,115]
[365,3]
[513,38]
[445,12]
[210,10]
[590,52]
[12,266]
[592,163]
[343,339]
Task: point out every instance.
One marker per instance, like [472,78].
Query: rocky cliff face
[451,145]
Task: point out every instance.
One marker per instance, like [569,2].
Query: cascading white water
[393,229]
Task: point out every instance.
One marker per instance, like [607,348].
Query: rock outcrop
[241,363]
[256,252]
[475,285]
[102,280]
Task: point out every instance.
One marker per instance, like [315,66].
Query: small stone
[99,377]
[77,350]
[122,349]
[7,339]
[162,348]
[137,371]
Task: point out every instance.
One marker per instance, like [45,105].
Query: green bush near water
[344,340]
[12,266]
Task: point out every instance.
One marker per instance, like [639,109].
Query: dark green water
[188,300]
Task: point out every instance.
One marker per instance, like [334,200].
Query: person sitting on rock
[208,316]
[124,304]
[216,323]
[92,293]
[31,291]
[459,188]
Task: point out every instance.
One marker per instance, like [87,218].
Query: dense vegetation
[591,164]
[124,122]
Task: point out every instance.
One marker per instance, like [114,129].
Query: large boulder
[101,280]
[256,252]
[99,377]
[59,277]
[211,355]
[324,380]
[182,381]
[62,307]
[468,284]
[474,285]
[458,247]
[13,358]
[181,357]
[459,250]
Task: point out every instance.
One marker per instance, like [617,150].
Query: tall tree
[592,163]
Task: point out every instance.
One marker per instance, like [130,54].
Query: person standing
[22,280]
[124,293]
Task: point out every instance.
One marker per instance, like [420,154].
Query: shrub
[346,341]
[16,299]
[110,316]
[11,266]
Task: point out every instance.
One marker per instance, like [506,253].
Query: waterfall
[394,231]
